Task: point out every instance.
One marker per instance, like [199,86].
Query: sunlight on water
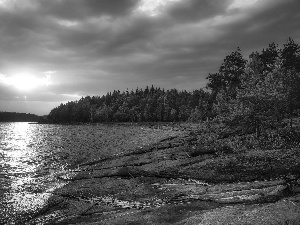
[36,160]
[20,156]
[27,171]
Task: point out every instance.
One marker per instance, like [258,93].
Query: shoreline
[179,172]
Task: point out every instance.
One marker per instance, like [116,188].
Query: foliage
[148,105]
[18,117]
[229,76]
[268,91]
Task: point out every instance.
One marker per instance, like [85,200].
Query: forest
[18,117]
[259,92]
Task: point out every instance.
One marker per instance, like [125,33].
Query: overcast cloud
[76,48]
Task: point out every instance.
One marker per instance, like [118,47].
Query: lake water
[31,157]
[34,156]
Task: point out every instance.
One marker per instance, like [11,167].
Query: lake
[34,156]
[31,157]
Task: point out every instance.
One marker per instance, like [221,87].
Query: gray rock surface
[175,181]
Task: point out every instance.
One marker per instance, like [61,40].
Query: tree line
[18,117]
[142,105]
[259,92]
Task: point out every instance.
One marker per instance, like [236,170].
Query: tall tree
[229,76]
[269,56]
[290,55]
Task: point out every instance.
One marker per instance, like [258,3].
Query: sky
[54,51]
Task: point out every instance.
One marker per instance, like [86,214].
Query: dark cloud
[78,9]
[194,10]
[96,46]
[266,22]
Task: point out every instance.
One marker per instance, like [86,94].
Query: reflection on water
[34,158]
[28,168]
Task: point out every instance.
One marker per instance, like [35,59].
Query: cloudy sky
[53,51]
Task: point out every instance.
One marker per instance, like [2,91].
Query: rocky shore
[179,180]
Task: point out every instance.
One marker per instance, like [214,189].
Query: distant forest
[18,117]
[261,91]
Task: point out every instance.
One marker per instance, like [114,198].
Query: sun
[25,82]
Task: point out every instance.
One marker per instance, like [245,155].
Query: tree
[215,83]
[290,55]
[196,115]
[228,79]
[290,64]
[261,100]
[267,90]
[103,114]
[269,56]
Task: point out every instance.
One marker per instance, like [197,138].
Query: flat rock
[285,211]
[174,182]
[228,193]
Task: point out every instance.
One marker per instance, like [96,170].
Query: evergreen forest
[260,92]
[18,117]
